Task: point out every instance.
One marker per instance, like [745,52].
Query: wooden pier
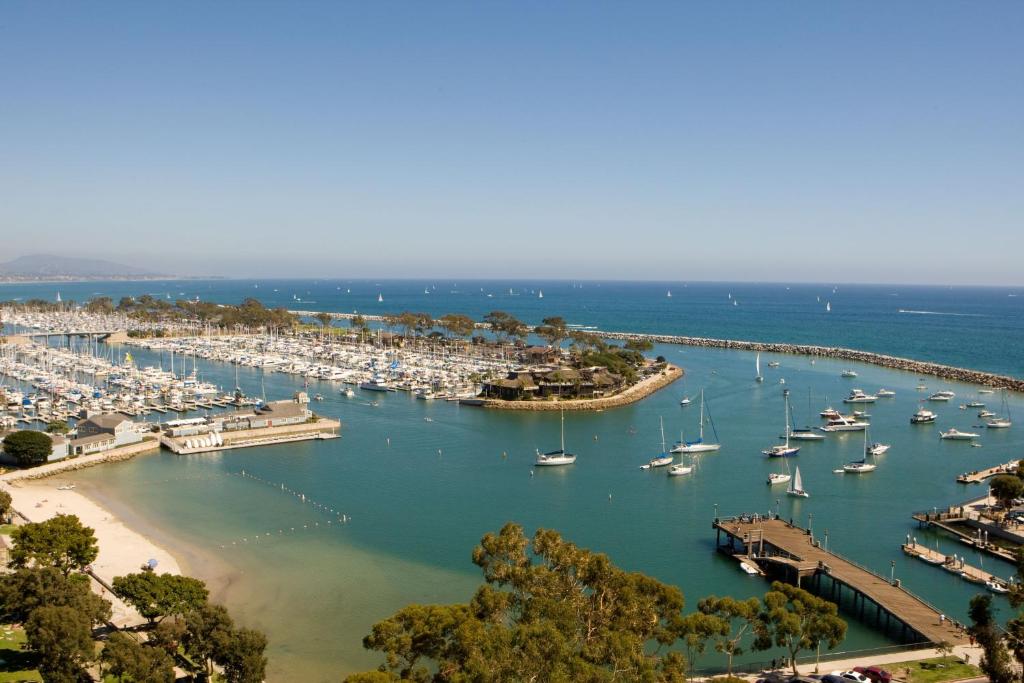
[946,519]
[952,564]
[979,476]
[787,552]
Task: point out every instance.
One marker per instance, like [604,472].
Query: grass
[15,664]
[6,529]
[934,670]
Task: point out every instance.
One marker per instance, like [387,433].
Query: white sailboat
[780,477]
[698,446]
[1001,422]
[380,298]
[783,450]
[796,486]
[559,457]
[757,368]
[540,293]
[669,295]
[828,306]
[665,458]
[861,466]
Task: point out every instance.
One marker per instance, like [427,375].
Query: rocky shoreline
[834,352]
[148,445]
[633,394]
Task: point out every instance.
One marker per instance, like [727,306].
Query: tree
[459,325]
[1005,488]
[796,620]
[639,344]
[57,427]
[26,590]
[62,639]
[242,656]
[5,504]
[505,326]
[995,660]
[553,330]
[123,657]
[206,632]
[28,447]
[740,615]
[324,319]
[156,596]
[60,542]
[548,611]
[697,629]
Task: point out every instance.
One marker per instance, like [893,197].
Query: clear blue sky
[862,141]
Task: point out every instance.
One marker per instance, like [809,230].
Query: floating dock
[789,553]
[952,564]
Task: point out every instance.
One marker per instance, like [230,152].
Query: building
[548,381]
[120,427]
[96,443]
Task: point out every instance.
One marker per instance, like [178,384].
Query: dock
[979,476]
[789,553]
[963,515]
[952,564]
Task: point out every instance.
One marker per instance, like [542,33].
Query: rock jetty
[895,362]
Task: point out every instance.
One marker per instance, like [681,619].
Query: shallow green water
[420,502]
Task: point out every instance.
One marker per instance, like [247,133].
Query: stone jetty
[895,362]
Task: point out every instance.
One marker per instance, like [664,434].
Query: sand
[122,551]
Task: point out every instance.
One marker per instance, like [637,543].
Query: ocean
[419,494]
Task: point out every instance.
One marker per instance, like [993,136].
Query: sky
[791,141]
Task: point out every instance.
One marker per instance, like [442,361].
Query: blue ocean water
[973,327]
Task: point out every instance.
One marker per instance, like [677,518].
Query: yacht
[805,434]
[376,384]
[878,448]
[665,458]
[848,373]
[986,391]
[830,413]
[858,396]
[922,416]
[698,446]
[425,395]
[885,393]
[844,424]
[347,391]
[780,477]
[986,413]
[783,450]
[685,401]
[859,467]
[940,396]
[679,470]
[999,423]
[559,457]
[974,404]
[953,434]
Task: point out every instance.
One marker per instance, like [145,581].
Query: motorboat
[954,434]
[878,448]
[986,413]
[999,423]
[685,401]
[559,457]
[780,477]
[773,364]
[698,446]
[830,413]
[885,393]
[975,404]
[347,391]
[848,373]
[996,587]
[858,396]
[376,384]
[922,416]
[845,424]
[986,391]
[939,396]
[805,434]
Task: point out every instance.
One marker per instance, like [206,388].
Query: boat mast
[785,394]
[663,449]
[702,414]
[561,414]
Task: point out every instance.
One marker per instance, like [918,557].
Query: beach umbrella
[152,563]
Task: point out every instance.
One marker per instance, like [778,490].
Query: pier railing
[804,660]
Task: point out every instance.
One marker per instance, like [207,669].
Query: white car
[852,676]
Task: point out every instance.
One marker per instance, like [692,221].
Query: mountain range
[49,266]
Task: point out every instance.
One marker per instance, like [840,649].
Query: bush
[27,447]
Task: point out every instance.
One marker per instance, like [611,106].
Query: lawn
[6,529]
[15,665]
[934,670]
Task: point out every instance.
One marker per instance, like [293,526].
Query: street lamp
[892,571]
[826,540]
[716,511]
[810,524]
[777,501]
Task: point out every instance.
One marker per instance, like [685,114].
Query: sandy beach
[122,550]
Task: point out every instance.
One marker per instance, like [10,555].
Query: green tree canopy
[156,596]
[505,327]
[207,631]
[995,660]
[62,639]
[553,330]
[61,542]
[5,504]
[459,325]
[740,617]
[242,656]
[28,447]
[640,344]
[128,660]
[28,589]
[548,611]
[796,620]
[1005,488]
[57,427]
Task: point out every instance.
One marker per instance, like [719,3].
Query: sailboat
[757,367]
[828,306]
[380,298]
[796,486]
[861,466]
[783,450]
[665,458]
[540,293]
[699,446]
[559,457]
[780,477]
[669,295]
[1001,422]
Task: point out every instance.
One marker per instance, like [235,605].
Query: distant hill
[46,266]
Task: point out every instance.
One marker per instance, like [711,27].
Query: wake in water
[964,315]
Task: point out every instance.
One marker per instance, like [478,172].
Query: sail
[757,363]
[796,484]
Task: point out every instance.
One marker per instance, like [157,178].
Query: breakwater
[834,352]
[70,464]
[640,390]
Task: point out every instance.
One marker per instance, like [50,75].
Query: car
[876,673]
[854,676]
[832,678]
